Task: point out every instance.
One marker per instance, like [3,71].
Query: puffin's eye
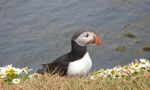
[87,35]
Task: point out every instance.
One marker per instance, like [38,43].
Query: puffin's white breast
[80,67]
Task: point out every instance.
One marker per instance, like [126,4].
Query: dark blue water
[38,31]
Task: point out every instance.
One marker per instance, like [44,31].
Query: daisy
[144,63]
[16,81]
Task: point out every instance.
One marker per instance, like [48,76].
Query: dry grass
[55,82]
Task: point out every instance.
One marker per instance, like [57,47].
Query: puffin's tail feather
[48,68]
[45,68]
[51,68]
[41,71]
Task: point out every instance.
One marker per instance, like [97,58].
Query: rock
[146,48]
[120,48]
[130,35]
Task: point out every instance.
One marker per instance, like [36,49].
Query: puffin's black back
[57,66]
[60,65]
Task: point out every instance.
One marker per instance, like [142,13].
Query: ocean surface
[33,32]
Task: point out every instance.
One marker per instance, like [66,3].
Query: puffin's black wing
[60,65]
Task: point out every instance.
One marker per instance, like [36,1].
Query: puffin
[77,62]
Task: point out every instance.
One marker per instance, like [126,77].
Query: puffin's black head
[83,38]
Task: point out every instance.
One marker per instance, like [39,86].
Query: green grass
[55,82]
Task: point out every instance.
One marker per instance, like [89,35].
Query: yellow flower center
[10,72]
[113,71]
[117,75]
[143,62]
[136,65]
[125,67]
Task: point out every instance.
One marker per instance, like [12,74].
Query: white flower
[145,63]
[2,75]
[26,70]
[8,66]
[92,77]
[32,76]
[17,70]
[9,72]
[2,70]
[107,72]
[16,81]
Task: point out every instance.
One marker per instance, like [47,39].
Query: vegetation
[12,75]
[55,82]
[137,77]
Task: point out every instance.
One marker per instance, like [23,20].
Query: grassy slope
[55,82]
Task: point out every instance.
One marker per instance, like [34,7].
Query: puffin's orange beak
[97,39]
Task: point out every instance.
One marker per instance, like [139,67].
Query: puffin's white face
[88,38]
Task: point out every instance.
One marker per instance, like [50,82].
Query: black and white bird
[77,62]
